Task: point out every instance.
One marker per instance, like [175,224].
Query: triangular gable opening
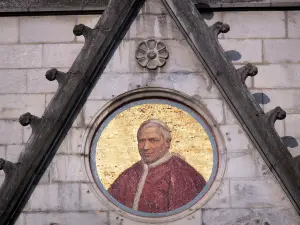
[49,131]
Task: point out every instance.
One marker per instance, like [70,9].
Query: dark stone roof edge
[53,10]
[246,3]
[8,8]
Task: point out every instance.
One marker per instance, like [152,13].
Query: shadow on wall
[289,141]
[263,99]
[207,13]
[233,55]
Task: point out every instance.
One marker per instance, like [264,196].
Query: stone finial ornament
[247,71]
[275,114]
[28,119]
[54,74]
[219,28]
[81,29]
[152,54]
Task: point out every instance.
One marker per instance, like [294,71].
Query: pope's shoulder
[179,164]
[132,169]
[176,162]
[179,160]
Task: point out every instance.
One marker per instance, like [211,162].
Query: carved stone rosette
[152,54]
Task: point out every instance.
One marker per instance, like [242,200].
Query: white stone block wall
[277,59]
[29,46]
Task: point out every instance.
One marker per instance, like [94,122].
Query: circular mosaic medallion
[154,154]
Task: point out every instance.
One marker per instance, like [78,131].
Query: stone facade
[248,194]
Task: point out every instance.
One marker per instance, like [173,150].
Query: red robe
[159,187]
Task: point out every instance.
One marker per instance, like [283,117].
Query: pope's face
[151,144]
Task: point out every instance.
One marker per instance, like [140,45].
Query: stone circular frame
[152,95]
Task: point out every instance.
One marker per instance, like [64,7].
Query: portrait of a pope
[160,181]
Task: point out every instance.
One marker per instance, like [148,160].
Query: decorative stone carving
[81,29]
[28,119]
[54,74]
[247,71]
[152,54]
[219,28]
[275,114]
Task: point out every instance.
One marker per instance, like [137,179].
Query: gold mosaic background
[117,147]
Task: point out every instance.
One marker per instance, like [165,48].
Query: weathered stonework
[65,193]
[249,217]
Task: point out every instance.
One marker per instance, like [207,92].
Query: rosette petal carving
[152,54]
